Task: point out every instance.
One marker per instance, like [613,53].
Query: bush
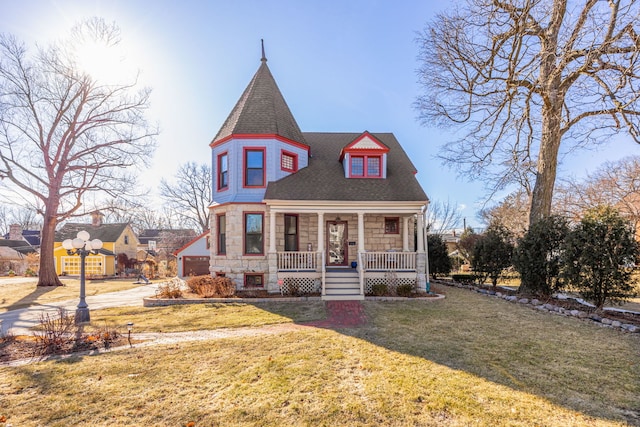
[30,273]
[538,257]
[439,261]
[379,289]
[599,253]
[212,287]
[55,333]
[171,289]
[492,253]
[405,290]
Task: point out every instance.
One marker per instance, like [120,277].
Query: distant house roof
[21,246]
[158,233]
[261,110]
[31,236]
[104,232]
[192,241]
[9,254]
[324,178]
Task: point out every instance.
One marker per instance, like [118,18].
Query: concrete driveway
[18,322]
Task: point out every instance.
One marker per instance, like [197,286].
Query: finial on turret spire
[264,58]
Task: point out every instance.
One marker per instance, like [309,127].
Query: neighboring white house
[193,258]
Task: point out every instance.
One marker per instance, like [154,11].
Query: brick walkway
[342,314]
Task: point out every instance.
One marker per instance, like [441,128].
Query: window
[126,240]
[252,280]
[208,242]
[254,167]
[223,171]
[366,166]
[392,226]
[222,234]
[253,241]
[357,166]
[289,162]
[290,232]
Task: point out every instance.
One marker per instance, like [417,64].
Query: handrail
[323,274]
[361,272]
[385,261]
[297,261]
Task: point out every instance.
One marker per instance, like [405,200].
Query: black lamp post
[82,246]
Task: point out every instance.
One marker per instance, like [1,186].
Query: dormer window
[365,157]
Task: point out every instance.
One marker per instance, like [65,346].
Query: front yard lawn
[465,360]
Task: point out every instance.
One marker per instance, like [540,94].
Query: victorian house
[311,212]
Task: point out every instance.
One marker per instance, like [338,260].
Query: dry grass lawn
[466,360]
[20,295]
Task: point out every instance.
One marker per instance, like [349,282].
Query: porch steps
[342,284]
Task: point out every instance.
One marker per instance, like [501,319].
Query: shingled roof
[22,246]
[324,178]
[104,232]
[261,110]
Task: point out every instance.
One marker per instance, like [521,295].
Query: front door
[337,253]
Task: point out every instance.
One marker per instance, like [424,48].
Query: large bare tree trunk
[547,166]
[47,275]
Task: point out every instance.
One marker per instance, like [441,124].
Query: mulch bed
[29,347]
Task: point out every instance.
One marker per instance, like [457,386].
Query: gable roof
[195,239]
[22,246]
[261,110]
[104,232]
[324,177]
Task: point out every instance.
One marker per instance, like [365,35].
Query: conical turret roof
[261,110]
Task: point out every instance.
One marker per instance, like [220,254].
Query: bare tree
[614,184]
[442,216]
[512,213]
[189,195]
[65,134]
[525,76]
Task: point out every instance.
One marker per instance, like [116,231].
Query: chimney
[15,232]
[96,218]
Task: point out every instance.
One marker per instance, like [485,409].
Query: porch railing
[384,261]
[298,261]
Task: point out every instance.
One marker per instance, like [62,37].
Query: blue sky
[341,65]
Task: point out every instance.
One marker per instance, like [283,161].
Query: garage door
[195,265]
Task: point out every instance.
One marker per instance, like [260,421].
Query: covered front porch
[343,253]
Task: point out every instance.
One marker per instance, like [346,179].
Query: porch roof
[324,178]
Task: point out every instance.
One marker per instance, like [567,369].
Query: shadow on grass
[568,362]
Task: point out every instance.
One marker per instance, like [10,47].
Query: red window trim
[244,233]
[295,160]
[244,166]
[244,279]
[365,166]
[219,174]
[218,252]
[394,218]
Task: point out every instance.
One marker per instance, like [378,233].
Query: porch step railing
[384,261]
[298,261]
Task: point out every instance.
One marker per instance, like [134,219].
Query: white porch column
[272,232]
[360,232]
[405,234]
[420,233]
[320,231]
